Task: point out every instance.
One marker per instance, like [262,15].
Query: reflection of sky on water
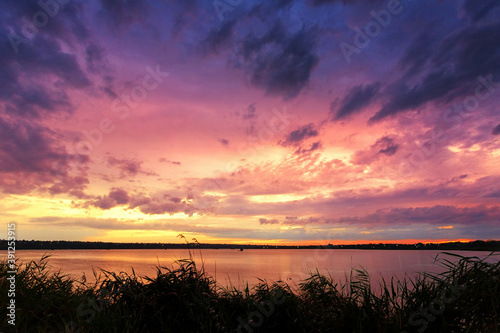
[233,267]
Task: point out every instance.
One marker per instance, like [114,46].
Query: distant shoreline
[477,245]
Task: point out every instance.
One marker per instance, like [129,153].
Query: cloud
[104,203]
[314,146]
[316,3]
[452,71]
[296,220]
[250,112]
[267,221]
[322,2]
[119,195]
[39,72]
[477,10]
[116,197]
[249,115]
[496,130]
[224,142]
[43,61]
[96,62]
[297,136]
[164,160]
[355,100]
[34,68]
[387,146]
[163,202]
[31,157]
[179,226]
[270,8]
[168,203]
[279,61]
[384,146]
[332,188]
[273,177]
[128,167]
[119,13]
[393,218]
[69,26]
[351,195]
[403,97]
[436,215]
[418,54]
[218,37]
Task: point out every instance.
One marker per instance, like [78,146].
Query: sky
[239,121]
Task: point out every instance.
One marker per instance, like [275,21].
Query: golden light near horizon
[277,198]
[36,206]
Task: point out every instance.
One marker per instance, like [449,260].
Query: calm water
[235,268]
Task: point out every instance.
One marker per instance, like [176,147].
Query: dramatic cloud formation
[496,130]
[279,61]
[359,97]
[31,158]
[219,36]
[297,136]
[250,122]
[454,67]
[266,221]
[385,146]
[436,215]
[128,167]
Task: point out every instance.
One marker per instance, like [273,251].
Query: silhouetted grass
[464,298]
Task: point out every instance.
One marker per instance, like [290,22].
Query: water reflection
[236,268]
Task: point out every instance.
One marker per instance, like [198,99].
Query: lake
[236,268]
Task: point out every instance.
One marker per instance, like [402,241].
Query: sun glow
[277,198]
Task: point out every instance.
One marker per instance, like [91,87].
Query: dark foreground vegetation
[465,298]
[477,245]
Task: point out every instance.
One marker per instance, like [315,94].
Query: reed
[183,298]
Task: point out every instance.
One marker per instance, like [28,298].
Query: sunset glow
[271,122]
